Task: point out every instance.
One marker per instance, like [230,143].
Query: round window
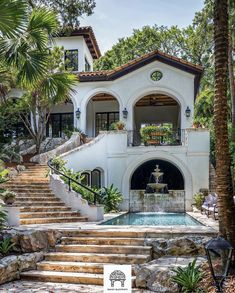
[156,75]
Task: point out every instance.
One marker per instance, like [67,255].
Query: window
[87,65]
[156,75]
[71,60]
[104,120]
[92,178]
[58,123]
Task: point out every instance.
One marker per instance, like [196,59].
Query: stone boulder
[32,240]
[182,246]
[11,266]
[156,275]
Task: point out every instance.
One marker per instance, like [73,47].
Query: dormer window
[87,65]
[71,60]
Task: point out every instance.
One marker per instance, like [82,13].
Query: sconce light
[187,112]
[78,113]
[124,113]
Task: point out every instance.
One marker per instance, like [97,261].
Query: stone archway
[160,155]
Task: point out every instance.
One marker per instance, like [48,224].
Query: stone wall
[174,201]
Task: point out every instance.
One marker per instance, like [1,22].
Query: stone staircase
[80,256]
[38,204]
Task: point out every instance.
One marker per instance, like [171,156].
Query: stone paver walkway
[39,287]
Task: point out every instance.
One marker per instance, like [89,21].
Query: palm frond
[13,15]
[57,87]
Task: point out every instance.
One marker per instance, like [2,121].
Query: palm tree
[223,172]
[25,47]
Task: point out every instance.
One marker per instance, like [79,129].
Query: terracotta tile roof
[90,39]
[152,56]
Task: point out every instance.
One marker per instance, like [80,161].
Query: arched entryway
[61,120]
[102,111]
[172,175]
[158,110]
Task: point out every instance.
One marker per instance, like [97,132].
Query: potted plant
[120,125]
[8,197]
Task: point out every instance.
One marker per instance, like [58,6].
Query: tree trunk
[231,81]
[223,172]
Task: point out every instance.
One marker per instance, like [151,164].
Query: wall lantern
[124,113]
[219,253]
[78,113]
[187,112]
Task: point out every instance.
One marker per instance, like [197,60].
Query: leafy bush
[3,216]
[147,131]
[199,198]
[119,125]
[111,197]
[6,246]
[188,278]
[8,196]
[58,163]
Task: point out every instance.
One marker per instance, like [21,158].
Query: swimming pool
[153,219]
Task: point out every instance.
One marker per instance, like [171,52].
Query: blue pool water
[153,219]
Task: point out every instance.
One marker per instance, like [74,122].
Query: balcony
[156,138]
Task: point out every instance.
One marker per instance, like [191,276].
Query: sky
[114,19]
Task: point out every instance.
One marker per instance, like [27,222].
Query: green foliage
[58,163]
[119,125]
[111,197]
[199,198]
[3,217]
[9,153]
[69,10]
[6,246]
[12,17]
[147,131]
[8,196]
[188,278]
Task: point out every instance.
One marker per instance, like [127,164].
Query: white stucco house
[155,89]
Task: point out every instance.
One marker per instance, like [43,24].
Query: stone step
[45,209]
[28,215]
[78,267]
[49,220]
[36,199]
[28,190]
[107,249]
[98,258]
[41,204]
[63,277]
[103,241]
[33,195]
[31,188]
[29,183]
[105,233]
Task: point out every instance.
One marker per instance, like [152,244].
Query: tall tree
[223,172]
[69,10]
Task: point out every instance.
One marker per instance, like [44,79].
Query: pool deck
[209,229]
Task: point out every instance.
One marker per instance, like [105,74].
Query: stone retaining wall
[174,201]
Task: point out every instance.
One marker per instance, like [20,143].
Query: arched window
[92,178]
[96,178]
[86,178]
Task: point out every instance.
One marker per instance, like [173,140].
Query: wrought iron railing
[71,180]
[156,138]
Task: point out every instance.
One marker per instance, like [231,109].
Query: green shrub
[3,217]
[58,163]
[111,197]
[188,278]
[199,198]
[6,246]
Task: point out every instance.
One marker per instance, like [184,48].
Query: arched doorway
[102,111]
[160,111]
[172,175]
[61,120]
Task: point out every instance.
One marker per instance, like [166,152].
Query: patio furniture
[210,205]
